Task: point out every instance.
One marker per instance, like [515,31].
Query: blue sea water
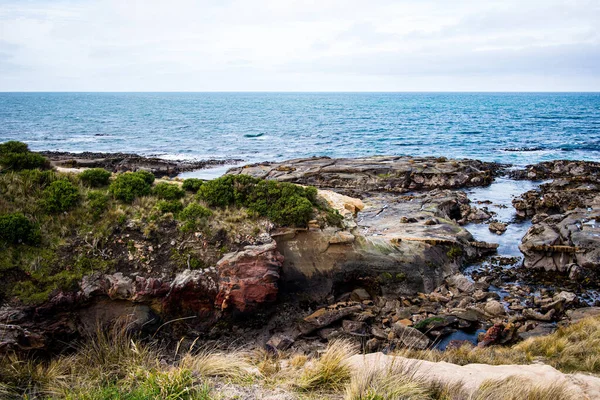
[516,128]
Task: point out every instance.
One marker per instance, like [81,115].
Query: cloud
[299,45]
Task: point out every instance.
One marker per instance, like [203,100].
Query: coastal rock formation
[400,245]
[120,162]
[561,241]
[357,176]
[570,169]
[249,278]
[242,282]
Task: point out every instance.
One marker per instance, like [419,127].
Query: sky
[304,45]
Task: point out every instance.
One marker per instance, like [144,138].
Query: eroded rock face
[241,283]
[249,278]
[564,240]
[581,170]
[402,245]
[357,176]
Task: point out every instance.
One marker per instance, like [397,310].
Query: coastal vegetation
[113,364]
[57,227]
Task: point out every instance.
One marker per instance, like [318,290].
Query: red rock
[249,278]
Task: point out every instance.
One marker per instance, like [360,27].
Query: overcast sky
[280,45]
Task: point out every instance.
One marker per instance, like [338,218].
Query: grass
[331,371]
[113,364]
[573,348]
[516,388]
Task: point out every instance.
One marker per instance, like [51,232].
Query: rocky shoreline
[400,270]
[120,162]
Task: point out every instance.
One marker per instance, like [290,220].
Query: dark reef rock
[121,162]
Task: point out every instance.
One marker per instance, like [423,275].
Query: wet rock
[326,316]
[471,315]
[542,329]
[497,227]
[494,308]
[562,240]
[531,314]
[410,337]
[461,282]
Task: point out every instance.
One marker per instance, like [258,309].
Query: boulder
[410,337]
[326,316]
[249,278]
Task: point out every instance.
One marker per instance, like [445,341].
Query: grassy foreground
[114,365]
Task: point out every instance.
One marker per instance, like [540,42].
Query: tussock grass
[516,388]
[331,371]
[574,348]
[206,363]
[389,383]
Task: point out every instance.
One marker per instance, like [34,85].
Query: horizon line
[298,91]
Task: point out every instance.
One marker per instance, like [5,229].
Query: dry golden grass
[389,383]
[569,349]
[515,388]
[331,371]
[113,365]
[210,363]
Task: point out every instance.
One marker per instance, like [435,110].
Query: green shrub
[59,196]
[126,187]
[169,206]
[16,156]
[17,228]
[37,177]
[193,215]
[95,177]
[282,202]
[13,146]
[21,161]
[192,184]
[168,191]
[218,192]
[147,176]
[98,203]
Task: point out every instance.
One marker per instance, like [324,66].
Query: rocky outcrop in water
[357,176]
[121,162]
[565,234]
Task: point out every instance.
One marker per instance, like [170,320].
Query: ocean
[515,128]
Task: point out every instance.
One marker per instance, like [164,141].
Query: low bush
[193,215]
[95,177]
[13,146]
[38,178]
[282,202]
[126,187]
[21,161]
[59,196]
[192,184]
[15,156]
[168,191]
[169,206]
[98,203]
[17,228]
[147,176]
